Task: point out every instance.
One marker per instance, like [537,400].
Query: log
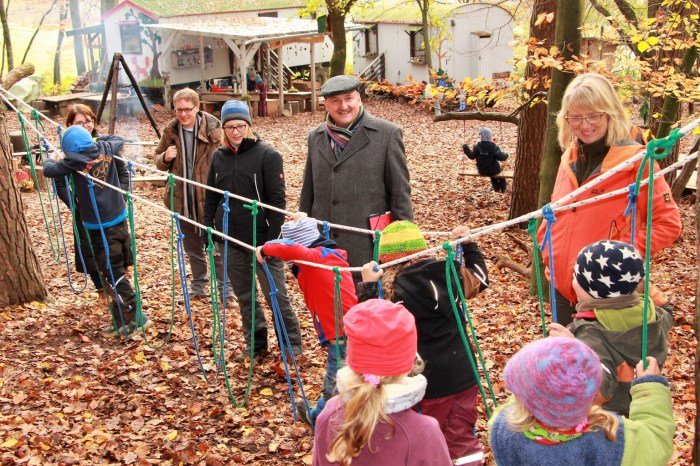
[506,263]
[16,74]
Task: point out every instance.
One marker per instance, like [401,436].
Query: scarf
[548,436]
[340,136]
[189,196]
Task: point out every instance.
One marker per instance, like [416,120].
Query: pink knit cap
[556,379]
[382,338]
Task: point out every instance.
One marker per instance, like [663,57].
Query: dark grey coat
[371,177]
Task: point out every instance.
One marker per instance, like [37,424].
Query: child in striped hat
[552,418]
[421,286]
[301,241]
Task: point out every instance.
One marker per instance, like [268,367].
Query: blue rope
[284,341]
[131,171]
[224,286]
[63,239]
[117,298]
[380,288]
[181,263]
[632,207]
[548,215]
[326,230]
[59,131]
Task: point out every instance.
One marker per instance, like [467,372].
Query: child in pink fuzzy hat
[552,419]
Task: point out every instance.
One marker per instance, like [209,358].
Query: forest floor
[69,396]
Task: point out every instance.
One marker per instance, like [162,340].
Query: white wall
[465,53]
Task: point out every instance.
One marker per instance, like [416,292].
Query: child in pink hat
[371,421]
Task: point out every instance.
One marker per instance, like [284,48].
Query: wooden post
[115,93]
[280,77]
[312,59]
[202,66]
[101,107]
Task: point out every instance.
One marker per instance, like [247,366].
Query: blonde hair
[187,94]
[364,409]
[521,420]
[593,92]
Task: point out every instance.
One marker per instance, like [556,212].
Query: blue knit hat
[485,133]
[76,139]
[304,231]
[235,110]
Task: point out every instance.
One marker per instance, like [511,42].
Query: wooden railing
[375,70]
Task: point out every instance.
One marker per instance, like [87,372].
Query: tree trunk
[20,275]
[22,71]
[696,325]
[337,21]
[533,120]
[106,5]
[7,40]
[424,6]
[686,173]
[77,38]
[62,16]
[567,37]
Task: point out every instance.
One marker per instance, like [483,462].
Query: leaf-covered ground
[69,396]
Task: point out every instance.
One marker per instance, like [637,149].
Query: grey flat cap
[339,85]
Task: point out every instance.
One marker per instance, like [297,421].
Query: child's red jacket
[317,284]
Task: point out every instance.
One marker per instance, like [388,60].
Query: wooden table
[125,104]
[213,100]
[58,104]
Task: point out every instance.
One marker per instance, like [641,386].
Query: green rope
[377,237]
[55,250]
[532,229]
[450,275]
[338,309]
[657,149]
[137,287]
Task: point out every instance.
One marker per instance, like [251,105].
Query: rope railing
[560,205]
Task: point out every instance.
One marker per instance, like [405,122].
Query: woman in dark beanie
[250,168]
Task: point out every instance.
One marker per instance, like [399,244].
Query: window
[416,46]
[131,37]
[371,42]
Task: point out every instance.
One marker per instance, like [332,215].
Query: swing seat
[503,174]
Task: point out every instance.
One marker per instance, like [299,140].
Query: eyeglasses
[233,129]
[82,123]
[184,110]
[592,119]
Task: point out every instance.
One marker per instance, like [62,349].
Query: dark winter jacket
[98,162]
[487,155]
[619,353]
[254,172]
[422,289]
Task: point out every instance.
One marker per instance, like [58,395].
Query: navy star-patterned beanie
[607,269]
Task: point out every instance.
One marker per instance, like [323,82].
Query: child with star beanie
[421,286]
[552,418]
[610,314]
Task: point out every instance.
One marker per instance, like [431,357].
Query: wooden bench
[503,174]
[211,106]
[58,104]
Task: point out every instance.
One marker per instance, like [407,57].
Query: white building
[475,41]
[127,31]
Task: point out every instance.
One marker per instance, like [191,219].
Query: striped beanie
[304,231]
[400,239]
[608,269]
[556,379]
[485,133]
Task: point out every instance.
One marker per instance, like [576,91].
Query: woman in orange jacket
[594,132]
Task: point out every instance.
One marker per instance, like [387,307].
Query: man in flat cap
[356,173]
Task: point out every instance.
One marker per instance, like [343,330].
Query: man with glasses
[185,150]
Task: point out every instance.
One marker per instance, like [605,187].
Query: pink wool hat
[382,338]
[556,379]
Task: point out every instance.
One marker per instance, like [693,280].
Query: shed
[128,31]
[474,41]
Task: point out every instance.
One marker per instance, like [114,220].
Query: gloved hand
[465,148]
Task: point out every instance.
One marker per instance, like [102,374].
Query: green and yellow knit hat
[400,239]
